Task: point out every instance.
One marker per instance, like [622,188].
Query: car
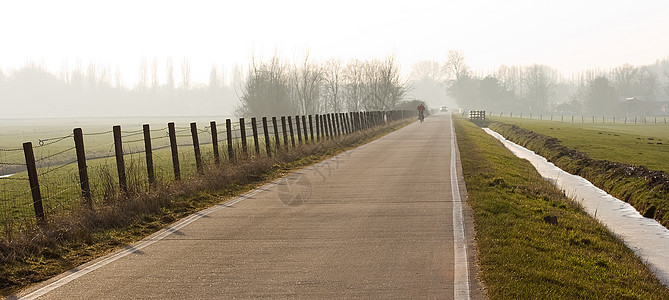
[443,108]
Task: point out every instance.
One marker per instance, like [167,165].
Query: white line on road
[76,273]
[460,264]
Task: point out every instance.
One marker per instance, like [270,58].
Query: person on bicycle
[421,109]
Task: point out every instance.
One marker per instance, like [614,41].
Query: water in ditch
[645,236]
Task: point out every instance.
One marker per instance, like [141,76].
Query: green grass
[627,161]
[523,257]
[646,145]
[58,171]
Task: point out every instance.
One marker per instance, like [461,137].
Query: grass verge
[524,256]
[73,238]
[647,190]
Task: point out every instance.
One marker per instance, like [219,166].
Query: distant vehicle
[443,108]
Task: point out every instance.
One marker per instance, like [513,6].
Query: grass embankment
[75,237]
[522,256]
[611,160]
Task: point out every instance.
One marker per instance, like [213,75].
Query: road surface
[385,220]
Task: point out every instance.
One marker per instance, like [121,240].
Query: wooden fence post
[285,132]
[120,164]
[299,130]
[228,134]
[329,130]
[290,127]
[268,146]
[304,126]
[311,128]
[338,122]
[149,155]
[318,126]
[196,147]
[254,128]
[34,182]
[242,130]
[214,141]
[335,124]
[277,141]
[323,127]
[83,169]
[175,150]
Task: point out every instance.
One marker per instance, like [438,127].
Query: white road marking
[148,241]
[460,264]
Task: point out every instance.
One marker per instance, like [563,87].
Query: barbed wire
[99,133]
[55,154]
[11,164]
[13,178]
[45,142]
[11,149]
[50,170]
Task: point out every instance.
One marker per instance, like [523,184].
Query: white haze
[572,35]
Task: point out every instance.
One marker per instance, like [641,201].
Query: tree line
[272,87]
[32,91]
[542,89]
[276,87]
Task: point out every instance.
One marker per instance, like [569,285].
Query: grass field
[520,255]
[646,145]
[58,171]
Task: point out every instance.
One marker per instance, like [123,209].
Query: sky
[570,35]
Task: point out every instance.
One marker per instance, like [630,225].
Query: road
[384,220]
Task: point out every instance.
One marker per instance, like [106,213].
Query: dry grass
[76,236]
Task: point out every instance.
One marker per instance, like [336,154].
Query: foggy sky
[571,35]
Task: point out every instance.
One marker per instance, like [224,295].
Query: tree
[185,74]
[332,87]
[307,83]
[601,97]
[154,74]
[540,87]
[266,91]
[649,83]
[354,87]
[455,65]
[624,78]
[428,82]
[385,85]
[170,75]
[213,78]
[143,76]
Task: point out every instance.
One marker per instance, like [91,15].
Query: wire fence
[579,118]
[108,163]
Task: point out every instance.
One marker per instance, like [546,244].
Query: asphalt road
[385,220]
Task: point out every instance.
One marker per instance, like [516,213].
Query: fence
[586,119]
[58,175]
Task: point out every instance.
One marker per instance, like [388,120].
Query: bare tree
[143,75]
[185,74]
[213,78]
[170,75]
[117,77]
[540,83]
[624,78]
[428,70]
[307,80]
[266,91]
[649,83]
[385,85]
[154,74]
[455,64]
[332,87]
[354,86]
